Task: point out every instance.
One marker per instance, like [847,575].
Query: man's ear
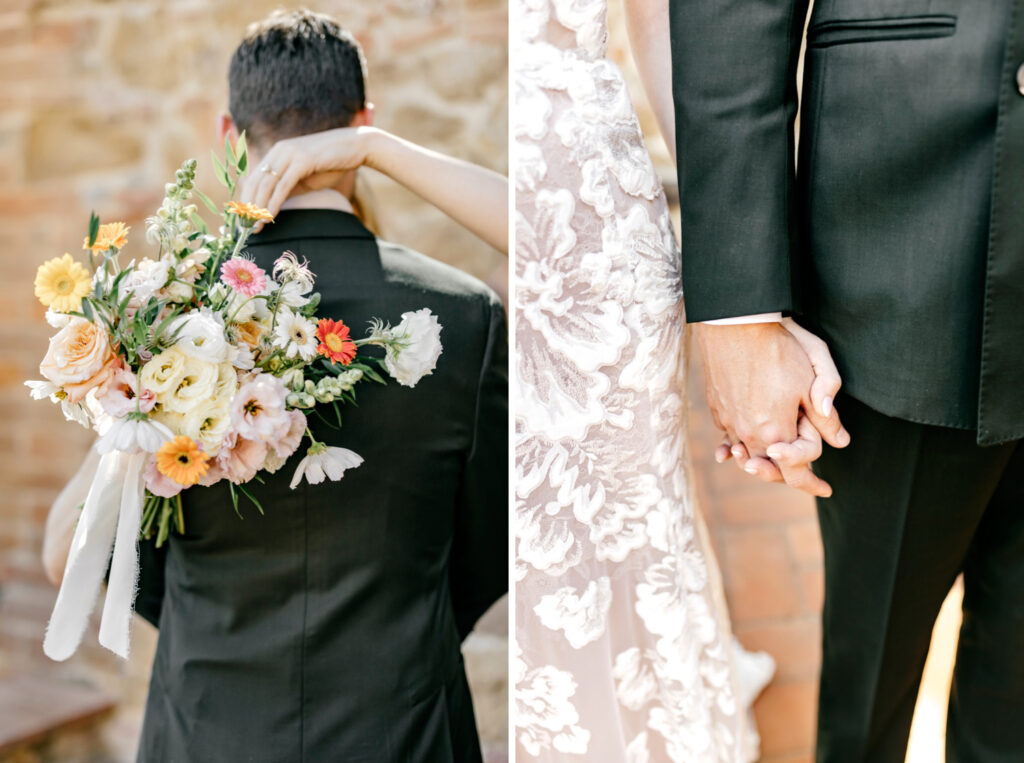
[226,126]
[364,118]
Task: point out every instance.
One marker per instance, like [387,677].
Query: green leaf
[220,171]
[242,153]
[229,154]
[200,224]
[94,228]
[206,199]
[87,310]
[251,497]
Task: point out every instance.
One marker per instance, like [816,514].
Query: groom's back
[349,599]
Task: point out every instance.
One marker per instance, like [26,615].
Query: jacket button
[1020,79]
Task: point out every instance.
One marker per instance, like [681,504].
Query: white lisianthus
[196,386]
[200,334]
[163,371]
[134,435]
[208,424]
[227,381]
[322,460]
[412,347]
[241,308]
[295,335]
[146,278]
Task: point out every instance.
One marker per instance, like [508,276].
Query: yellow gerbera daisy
[61,283]
[110,236]
[182,460]
[249,213]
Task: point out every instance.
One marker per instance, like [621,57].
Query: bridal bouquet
[194,366]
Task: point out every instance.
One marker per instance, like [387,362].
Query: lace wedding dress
[623,651]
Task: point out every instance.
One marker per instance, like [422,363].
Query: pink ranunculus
[289,443]
[258,410]
[118,395]
[244,276]
[79,359]
[157,483]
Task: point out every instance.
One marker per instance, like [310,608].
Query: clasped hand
[771,387]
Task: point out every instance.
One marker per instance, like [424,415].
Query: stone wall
[100,100]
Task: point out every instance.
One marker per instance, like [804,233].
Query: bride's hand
[306,163]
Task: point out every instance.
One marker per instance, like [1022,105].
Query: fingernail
[844,437]
[737,451]
[750,469]
[719,457]
[773,452]
[826,406]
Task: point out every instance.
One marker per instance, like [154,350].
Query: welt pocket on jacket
[825,34]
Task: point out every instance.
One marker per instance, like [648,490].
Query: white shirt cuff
[740,320]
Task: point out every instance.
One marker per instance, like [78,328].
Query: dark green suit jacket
[328,629]
[900,239]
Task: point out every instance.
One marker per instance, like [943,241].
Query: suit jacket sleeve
[734,82]
[478,567]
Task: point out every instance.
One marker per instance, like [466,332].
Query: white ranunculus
[322,460]
[145,279]
[132,435]
[200,334]
[415,347]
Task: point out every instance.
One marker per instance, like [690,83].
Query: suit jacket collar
[291,224]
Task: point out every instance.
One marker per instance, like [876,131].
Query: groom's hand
[762,379]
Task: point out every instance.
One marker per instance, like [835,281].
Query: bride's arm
[474,197]
[60,522]
[648,25]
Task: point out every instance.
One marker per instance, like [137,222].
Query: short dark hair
[295,73]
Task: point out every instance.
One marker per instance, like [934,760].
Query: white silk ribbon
[114,505]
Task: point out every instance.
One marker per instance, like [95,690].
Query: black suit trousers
[913,507]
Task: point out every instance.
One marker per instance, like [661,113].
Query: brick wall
[99,103]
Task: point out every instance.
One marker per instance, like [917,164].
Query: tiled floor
[769,549]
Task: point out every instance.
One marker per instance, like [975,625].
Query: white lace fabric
[623,651]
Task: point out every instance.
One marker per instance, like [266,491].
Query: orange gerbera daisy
[182,460]
[335,341]
[110,236]
[249,214]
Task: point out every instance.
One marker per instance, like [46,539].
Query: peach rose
[79,359]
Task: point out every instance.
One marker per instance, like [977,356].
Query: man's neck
[326,198]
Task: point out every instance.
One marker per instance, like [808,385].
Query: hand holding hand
[771,386]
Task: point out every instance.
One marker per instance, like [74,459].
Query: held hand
[306,163]
[760,377]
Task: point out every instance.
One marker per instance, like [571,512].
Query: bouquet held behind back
[193,366]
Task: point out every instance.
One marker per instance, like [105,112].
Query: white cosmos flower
[200,334]
[413,346]
[57,320]
[322,460]
[134,435]
[295,335]
[43,389]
